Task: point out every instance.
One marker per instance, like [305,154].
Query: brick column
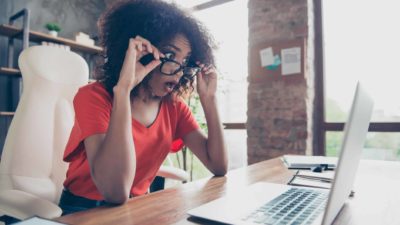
[279,113]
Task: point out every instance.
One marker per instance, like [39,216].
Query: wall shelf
[7,113]
[15,72]
[10,71]
[34,36]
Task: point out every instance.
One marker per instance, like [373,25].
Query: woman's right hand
[133,72]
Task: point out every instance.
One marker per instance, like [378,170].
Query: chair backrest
[32,155]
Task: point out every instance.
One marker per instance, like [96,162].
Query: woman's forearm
[115,162]
[216,149]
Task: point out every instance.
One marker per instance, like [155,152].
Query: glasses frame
[180,68]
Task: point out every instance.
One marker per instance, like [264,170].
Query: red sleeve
[177,145]
[92,111]
[92,105]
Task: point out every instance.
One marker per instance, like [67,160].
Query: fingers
[151,66]
[144,47]
[132,71]
[207,74]
[206,69]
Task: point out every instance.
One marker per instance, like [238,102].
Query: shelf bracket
[25,34]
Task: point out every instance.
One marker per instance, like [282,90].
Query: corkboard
[259,74]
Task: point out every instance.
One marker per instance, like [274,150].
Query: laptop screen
[355,133]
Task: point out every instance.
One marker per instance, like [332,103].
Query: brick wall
[279,113]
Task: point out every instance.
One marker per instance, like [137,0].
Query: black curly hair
[157,21]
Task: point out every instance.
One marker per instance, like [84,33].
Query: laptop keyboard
[294,207]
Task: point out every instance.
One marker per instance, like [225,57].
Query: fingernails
[156,55]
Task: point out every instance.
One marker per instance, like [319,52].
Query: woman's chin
[162,91]
[160,94]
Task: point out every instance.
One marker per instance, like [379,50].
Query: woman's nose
[179,74]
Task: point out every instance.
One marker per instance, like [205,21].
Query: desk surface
[376,200]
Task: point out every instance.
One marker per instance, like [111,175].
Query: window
[362,43]
[231,36]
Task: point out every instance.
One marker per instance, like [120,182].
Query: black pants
[8,220]
[158,184]
[70,203]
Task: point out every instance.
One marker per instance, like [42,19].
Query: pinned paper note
[275,65]
[266,56]
[291,61]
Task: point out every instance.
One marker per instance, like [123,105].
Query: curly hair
[157,21]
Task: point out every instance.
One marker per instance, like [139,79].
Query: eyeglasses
[171,67]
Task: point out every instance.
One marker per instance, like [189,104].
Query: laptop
[268,203]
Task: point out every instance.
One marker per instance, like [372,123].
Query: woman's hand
[133,72]
[207,82]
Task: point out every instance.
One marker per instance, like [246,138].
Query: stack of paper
[83,38]
[312,179]
[66,47]
[38,221]
[304,182]
[326,176]
[308,162]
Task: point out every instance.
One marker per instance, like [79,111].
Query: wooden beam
[318,107]
[210,4]
[234,126]
[38,37]
[373,127]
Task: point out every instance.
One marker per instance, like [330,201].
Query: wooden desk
[376,200]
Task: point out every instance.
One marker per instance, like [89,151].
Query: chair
[31,169]
[168,171]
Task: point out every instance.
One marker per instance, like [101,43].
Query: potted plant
[53,29]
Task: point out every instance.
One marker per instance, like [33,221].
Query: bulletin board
[288,61]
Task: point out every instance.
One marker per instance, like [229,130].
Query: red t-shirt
[93,106]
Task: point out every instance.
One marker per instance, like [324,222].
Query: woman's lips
[169,86]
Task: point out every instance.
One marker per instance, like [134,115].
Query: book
[308,162]
[326,175]
[306,182]
[312,179]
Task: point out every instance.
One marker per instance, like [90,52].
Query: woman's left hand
[207,82]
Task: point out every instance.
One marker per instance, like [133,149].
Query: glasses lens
[169,68]
[191,71]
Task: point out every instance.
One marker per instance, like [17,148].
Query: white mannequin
[31,164]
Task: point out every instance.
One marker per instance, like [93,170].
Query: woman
[126,122]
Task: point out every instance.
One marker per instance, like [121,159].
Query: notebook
[307,162]
[35,220]
[268,203]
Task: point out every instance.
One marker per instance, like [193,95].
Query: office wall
[279,113]
[72,15]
